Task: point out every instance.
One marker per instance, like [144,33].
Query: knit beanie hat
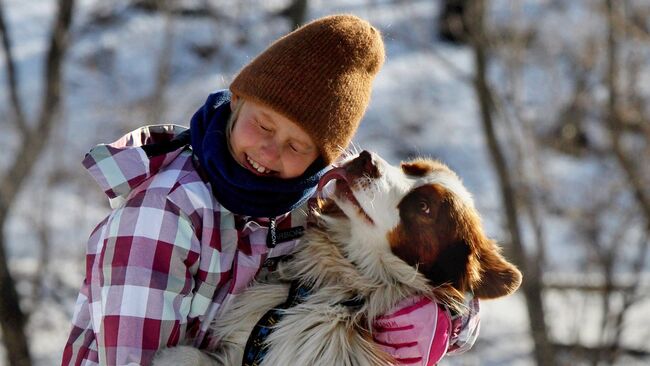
[319,76]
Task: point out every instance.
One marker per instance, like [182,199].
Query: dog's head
[423,214]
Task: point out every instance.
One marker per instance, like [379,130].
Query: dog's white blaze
[387,191]
[379,200]
[452,183]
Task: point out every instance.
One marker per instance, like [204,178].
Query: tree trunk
[531,285]
[451,23]
[631,173]
[12,318]
[296,12]
[163,71]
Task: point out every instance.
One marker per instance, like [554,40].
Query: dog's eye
[424,207]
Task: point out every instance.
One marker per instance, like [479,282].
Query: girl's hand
[418,331]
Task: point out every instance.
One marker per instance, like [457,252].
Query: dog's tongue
[335,173]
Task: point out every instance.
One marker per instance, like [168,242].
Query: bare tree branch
[12,77]
[614,120]
[37,137]
[157,105]
[296,12]
[631,295]
[12,319]
[531,286]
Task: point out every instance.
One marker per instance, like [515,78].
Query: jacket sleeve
[78,349]
[144,286]
[465,328]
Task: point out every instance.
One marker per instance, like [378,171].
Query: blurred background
[541,106]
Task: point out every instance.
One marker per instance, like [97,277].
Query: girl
[199,214]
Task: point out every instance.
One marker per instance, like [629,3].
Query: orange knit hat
[319,76]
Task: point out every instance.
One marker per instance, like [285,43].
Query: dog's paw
[182,355]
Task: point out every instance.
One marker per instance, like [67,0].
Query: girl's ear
[234,99]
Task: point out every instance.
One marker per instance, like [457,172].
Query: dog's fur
[388,233]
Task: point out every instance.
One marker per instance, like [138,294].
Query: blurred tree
[163,71]
[451,24]
[34,137]
[633,173]
[528,263]
[296,12]
[600,122]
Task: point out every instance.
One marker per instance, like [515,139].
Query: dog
[385,233]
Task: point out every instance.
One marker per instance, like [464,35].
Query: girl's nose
[270,150]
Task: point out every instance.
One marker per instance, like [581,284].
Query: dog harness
[256,346]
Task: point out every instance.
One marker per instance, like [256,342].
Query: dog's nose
[363,165]
[365,159]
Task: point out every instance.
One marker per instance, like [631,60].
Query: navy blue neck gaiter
[235,187]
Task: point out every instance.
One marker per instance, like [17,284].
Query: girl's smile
[258,168]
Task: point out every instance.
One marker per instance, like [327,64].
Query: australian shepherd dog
[385,233]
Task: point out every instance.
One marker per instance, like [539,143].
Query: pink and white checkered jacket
[160,265]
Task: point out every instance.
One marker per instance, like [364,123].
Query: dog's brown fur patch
[417,168]
[443,237]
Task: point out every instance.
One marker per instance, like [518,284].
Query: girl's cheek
[297,165]
[249,134]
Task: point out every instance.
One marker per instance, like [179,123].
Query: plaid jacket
[166,257]
[164,260]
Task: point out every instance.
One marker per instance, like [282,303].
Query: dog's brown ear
[498,276]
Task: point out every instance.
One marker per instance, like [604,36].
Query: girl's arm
[147,277]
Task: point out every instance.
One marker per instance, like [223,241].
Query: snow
[423,103]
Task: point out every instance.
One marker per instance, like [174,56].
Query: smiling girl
[268,143]
[199,213]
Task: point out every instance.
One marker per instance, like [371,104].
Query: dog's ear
[498,277]
[450,267]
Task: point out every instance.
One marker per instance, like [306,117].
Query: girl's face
[269,144]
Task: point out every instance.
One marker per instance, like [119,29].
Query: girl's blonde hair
[230,125]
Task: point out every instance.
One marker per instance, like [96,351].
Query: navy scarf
[237,189]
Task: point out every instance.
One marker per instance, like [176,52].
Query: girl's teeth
[257,167]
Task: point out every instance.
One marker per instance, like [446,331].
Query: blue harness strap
[256,347]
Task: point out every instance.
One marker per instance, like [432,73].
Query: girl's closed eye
[264,127]
[296,149]
[300,148]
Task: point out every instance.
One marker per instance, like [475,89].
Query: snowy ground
[419,107]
